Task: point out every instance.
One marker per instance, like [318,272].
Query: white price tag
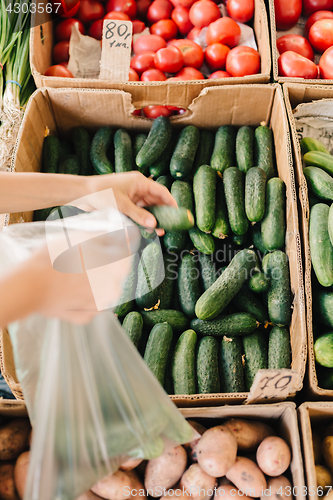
[116,50]
[269,384]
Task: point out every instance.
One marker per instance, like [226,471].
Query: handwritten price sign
[116,50]
[269,384]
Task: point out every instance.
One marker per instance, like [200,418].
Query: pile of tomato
[297,53]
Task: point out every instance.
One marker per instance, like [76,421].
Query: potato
[131,464]
[324,477]
[191,447]
[14,438]
[327,450]
[248,433]
[116,486]
[88,495]
[273,456]
[165,471]
[138,489]
[229,492]
[278,489]
[316,443]
[175,492]
[247,476]
[21,472]
[198,483]
[217,450]
[7,485]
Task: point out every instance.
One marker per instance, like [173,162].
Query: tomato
[175,3]
[148,43]
[65,64]
[287,13]
[311,6]
[158,10]
[326,64]
[188,73]
[216,55]
[155,111]
[63,30]
[169,59]
[193,34]
[321,14]
[224,30]
[58,70]
[90,10]
[187,3]
[142,8]
[181,16]
[143,62]
[153,75]
[192,52]
[96,29]
[321,34]
[60,52]
[296,43]
[242,61]
[219,74]
[296,66]
[120,16]
[204,12]
[138,26]
[137,112]
[133,76]
[165,28]
[127,6]
[240,10]
[68,8]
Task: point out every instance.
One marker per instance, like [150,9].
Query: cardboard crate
[62,109]
[143,93]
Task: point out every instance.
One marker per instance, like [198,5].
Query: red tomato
[188,73]
[311,6]
[137,112]
[287,13]
[63,30]
[296,66]
[242,61]
[90,10]
[321,14]
[60,52]
[133,76]
[148,43]
[127,6]
[143,62]
[181,16]
[219,74]
[192,52]
[321,34]
[216,55]
[156,111]
[169,59]
[58,70]
[68,8]
[138,26]
[187,3]
[193,34]
[204,12]
[241,10]
[165,28]
[175,3]
[96,29]
[153,75]
[224,30]
[120,16]
[142,8]
[296,43]
[159,9]
[326,64]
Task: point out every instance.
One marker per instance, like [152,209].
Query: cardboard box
[143,93]
[62,109]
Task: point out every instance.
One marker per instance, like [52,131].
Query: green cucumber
[244,148]
[275,266]
[202,241]
[63,212]
[319,182]
[66,148]
[147,234]
[165,180]
[320,244]
[70,165]
[256,356]
[123,153]
[172,219]
[264,150]
[207,270]
[273,225]
[188,285]
[325,377]
[132,325]
[183,364]
[168,382]
[234,188]
[100,144]
[248,302]
[181,163]
[183,194]
[82,145]
[157,348]
[255,193]
[175,241]
[259,283]
[221,227]
[257,238]
[156,142]
[320,160]
[150,275]
[323,350]
[233,324]
[208,366]
[176,319]
[51,154]
[310,144]
[323,305]
[279,353]
[241,240]
[204,189]
[223,155]
[231,366]
[162,164]
[217,297]
[42,214]
[126,302]
[139,141]
[166,288]
[205,149]
[330,223]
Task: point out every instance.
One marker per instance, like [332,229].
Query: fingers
[153,193]
[140,215]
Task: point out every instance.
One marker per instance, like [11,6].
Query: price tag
[116,50]
[269,384]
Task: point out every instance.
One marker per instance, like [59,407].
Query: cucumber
[63,212]
[51,154]
[123,153]
[183,194]
[248,302]
[233,324]
[325,377]
[244,148]
[240,240]
[66,148]
[139,140]
[217,297]
[157,348]
[323,305]
[259,283]
[133,324]
[166,288]
[165,180]
[319,182]
[175,241]
[42,214]
[70,165]
[257,238]
[176,319]
[204,189]
[323,349]
[126,302]
[234,188]
[162,164]
[330,223]
[221,227]
[181,163]
[320,244]
[275,266]
[156,142]
[273,225]
[320,160]
[82,145]
[202,241]
[183,364]
[147,234]
[100,144]
[279,353]
[231,367]
[150,275]
[264,150]
[255,193]
[205,149]
[223,155]
[172,219]
[208,366]
[168,382]
[310,144]
[188,285]
[256,356]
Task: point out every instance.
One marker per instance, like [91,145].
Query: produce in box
[322,442]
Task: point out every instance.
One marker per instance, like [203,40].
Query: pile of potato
[322,439]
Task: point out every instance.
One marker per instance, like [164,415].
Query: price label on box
[269,384]
[116,50]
